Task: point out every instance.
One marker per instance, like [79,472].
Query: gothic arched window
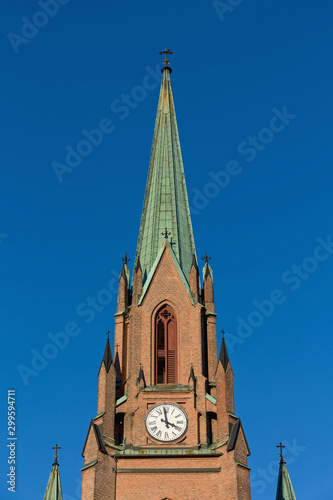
[166,346]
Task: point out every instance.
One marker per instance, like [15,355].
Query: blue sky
[252,89]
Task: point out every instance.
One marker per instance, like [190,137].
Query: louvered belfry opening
[166,346]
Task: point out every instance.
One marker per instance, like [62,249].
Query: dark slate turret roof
[224,358]
[107,357]
[166,202]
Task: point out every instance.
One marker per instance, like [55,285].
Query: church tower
[166,426]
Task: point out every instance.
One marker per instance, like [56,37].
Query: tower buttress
[107,393]
[137,281]
[121,328]
[100,442]
[224,391]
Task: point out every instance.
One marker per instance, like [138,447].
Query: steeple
[166,202]
[285,489]
[53,488]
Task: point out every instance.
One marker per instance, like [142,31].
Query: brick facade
[210,460]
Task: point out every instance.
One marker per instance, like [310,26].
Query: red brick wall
[135,346]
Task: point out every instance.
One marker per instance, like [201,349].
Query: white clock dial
[166,422]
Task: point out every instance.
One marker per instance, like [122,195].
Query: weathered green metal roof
[285,489]
[53,488]
[166,202]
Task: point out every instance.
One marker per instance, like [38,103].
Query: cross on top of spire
[56,448]
[108,334]
[126,259]
[223,333]
[166,62]
[206,258]
[282,461]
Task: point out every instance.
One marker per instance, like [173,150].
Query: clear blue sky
[62,242]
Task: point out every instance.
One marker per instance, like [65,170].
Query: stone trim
[166,470]
[91,464]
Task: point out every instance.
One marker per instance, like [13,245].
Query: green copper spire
[53,488]
[285,489]
[166,209]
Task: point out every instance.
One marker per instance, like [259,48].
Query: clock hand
[173,425]
[166,423]
[166,418]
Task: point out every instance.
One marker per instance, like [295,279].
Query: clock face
[166,422]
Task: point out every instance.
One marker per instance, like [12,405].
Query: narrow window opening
[119,428]
[211,427]
[166,347]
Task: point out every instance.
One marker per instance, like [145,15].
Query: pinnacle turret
[224,358]
[285,489]
[107,357]
[53,489]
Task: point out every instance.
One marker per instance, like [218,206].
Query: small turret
[285,489]
[123,286]
[53,488]
[208,286]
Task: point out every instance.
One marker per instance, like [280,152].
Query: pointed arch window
[166,346]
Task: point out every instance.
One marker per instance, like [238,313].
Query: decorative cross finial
[125,259]
[282,461]
[108,334]
[166,62]
[117,345]
[56,448]
[206,258]
[223,333]
[166,233]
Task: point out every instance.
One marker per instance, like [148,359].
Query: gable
[237,435]
[166,269]
[93,442]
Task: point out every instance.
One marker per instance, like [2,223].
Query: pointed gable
[94,440]
[166,247]
[236,431]
[166,202]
